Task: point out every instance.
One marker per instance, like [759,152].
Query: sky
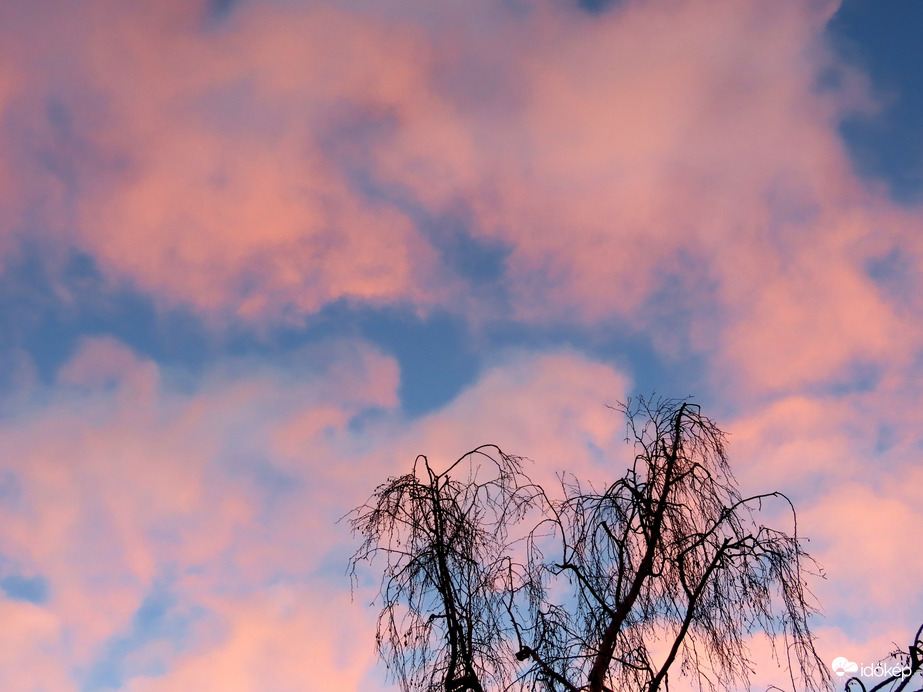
[256,255]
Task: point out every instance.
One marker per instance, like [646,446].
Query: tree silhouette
[491,583]
[905,674]
[449,578]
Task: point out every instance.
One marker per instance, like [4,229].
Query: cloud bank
[669,169]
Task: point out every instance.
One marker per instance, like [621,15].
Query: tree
[448,576]
[904,674]
[491,583]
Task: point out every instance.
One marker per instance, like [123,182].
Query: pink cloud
[851,466]
[125,477]
[548,407]
[284,640]
[673,165]
[803,441]
[869,554]
[676,165]
[230,490]
[32,648]
[203,175]
[124,481]
[244,210]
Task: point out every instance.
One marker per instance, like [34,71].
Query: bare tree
[666,569]
[904,674]
[448,582]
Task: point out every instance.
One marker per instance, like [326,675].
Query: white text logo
[842,665]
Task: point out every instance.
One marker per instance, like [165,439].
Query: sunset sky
[255,255]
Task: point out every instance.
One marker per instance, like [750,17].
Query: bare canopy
[491,582]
